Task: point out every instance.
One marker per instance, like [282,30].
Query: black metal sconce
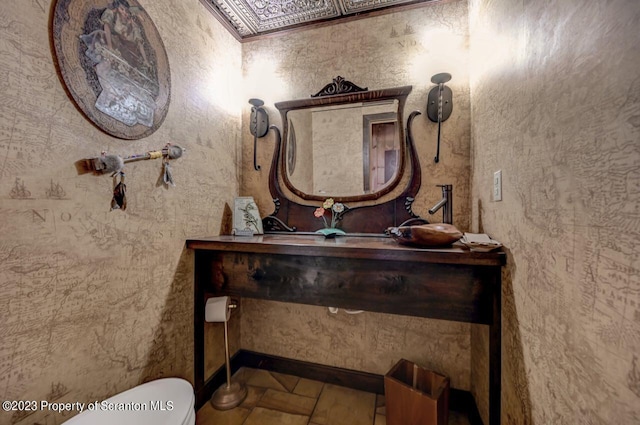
[439,104]
[258,125]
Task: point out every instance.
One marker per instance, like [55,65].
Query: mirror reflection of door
[380,159]
[329,148]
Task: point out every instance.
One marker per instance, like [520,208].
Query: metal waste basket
[415,396]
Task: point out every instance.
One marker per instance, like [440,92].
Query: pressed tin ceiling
[248,18]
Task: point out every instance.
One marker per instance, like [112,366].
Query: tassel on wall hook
[439,105]
[167,177]
[169,152]
[119,200]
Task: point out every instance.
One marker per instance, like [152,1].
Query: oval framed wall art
[113,64]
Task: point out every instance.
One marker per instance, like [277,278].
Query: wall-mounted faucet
[446,203]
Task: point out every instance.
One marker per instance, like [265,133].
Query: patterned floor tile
[279,399]
[308,388]
[262,416]
[207,415]
[263,379]
[287,402]
[242,374]
[254,394]
[344,406]
[287,381]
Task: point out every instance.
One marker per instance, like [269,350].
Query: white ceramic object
[168,401]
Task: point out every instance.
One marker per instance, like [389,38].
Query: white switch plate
[497,185]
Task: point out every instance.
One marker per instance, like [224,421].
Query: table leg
[198,327]
[495,355]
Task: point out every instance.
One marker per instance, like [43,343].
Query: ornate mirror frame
[342,92]
[359,217]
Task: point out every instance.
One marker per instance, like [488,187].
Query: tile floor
[278,399]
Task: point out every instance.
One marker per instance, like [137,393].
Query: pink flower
[319,212]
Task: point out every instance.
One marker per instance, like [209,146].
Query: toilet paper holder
[230,394]
[218,309]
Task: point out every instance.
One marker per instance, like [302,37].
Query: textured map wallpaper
[555,96]
[93,301]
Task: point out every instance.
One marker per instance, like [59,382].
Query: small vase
[330,232]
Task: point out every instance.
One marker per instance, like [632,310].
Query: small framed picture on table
[246,217]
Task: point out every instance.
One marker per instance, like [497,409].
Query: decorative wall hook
[258,125]
[439,104]
[107,163]
[114,165]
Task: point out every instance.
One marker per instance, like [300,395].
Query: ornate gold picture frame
[113,63]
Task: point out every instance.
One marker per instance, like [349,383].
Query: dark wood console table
[366,273]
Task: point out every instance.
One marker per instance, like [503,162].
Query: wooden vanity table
[364,270]
[370,273]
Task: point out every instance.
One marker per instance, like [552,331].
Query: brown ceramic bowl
[426,235]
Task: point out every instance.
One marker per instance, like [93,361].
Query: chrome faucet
[446,203]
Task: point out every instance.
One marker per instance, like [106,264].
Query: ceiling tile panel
[349,7]
[253,17]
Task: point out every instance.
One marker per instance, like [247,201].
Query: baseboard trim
[333,375]
[459,400]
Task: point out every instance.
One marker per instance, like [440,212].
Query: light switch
[497,186]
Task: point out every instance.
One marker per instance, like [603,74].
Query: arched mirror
[347,146]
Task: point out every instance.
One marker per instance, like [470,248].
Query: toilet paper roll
[217,310]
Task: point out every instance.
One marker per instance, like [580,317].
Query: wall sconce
[439,104]
[258,125]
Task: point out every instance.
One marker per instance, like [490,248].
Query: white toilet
[167,401]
